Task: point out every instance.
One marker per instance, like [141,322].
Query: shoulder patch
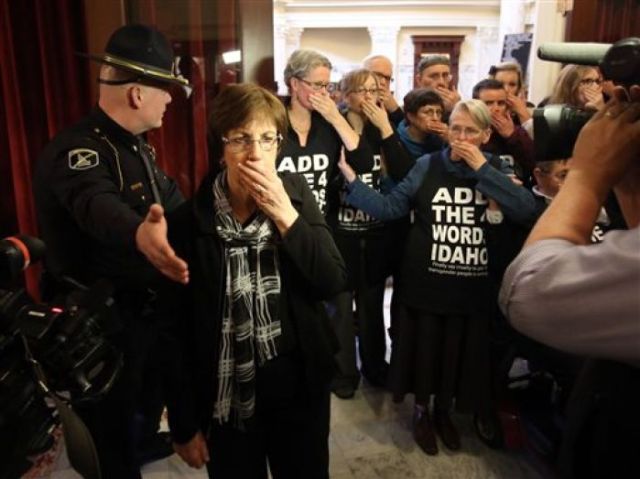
[83,159]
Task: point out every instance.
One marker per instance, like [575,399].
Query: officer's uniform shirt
[92,190]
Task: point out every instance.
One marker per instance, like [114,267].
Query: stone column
[550,23]
[488,48]
[512,18]
[286,40]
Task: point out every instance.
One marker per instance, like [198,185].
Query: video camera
[556,127]
[48,353]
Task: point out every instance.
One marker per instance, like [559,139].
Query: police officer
[95,183]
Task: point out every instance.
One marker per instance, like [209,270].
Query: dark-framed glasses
[244,143]
[363,91]
[382,76]
[315,85]
[591,81]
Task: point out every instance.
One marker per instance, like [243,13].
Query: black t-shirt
[318,160]
[445,267]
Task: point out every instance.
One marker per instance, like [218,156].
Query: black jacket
[92,191]
[311,270]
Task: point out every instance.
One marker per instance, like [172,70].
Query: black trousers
[112,421]
[290,430]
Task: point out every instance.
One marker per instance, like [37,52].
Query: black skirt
[442,355]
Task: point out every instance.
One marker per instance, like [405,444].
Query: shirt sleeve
[520,145]
[516,202]
[580,299]
[94,201]
[394,205]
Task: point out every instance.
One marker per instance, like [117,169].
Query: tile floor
[370,439]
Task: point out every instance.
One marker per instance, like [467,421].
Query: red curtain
[43,87]
[617,19]
[181,143]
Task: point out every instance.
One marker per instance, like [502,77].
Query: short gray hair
[430,60]
[301,62]
[477,110]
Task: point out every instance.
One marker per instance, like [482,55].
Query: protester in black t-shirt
[365,242]
[317,132]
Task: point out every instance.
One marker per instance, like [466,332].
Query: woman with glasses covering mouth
[441,345]
[252,347]
[317,132]
[365,242]
[578,86]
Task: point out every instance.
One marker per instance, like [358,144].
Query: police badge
[83,159]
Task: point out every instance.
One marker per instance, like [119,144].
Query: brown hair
[239,104]
[507,67]
[566,89]
[355,79]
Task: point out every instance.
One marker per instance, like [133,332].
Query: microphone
[619,62]
[574,52]
[16,254]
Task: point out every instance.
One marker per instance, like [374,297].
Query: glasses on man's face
[469,132]
[315,85]
[244,143]
[363,91]
[382,76]
[591,81]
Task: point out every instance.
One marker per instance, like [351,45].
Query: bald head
[382,68]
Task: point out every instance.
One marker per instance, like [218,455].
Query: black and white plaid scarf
[250,324]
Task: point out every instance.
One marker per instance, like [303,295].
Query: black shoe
[446,430]
[344,388]
[423,432]
[154,448]
[378,377]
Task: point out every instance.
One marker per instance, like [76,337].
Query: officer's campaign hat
[142,50]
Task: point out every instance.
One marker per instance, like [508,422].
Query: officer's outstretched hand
[151,240]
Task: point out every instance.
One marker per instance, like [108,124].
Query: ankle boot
[446,430]
[423,432]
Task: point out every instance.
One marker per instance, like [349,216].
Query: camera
[556,127]
[48,353]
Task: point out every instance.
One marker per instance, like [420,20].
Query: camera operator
[94,184]
[584,298]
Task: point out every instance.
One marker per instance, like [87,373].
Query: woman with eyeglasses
[252,346]
[365,242]
[441,346]
[578,86]
[422,131]
[317,132]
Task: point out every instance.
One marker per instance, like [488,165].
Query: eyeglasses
[591,81]
[457,130]
[244,143]
[382,76]
[315,85]
[430,111]
[364,91]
